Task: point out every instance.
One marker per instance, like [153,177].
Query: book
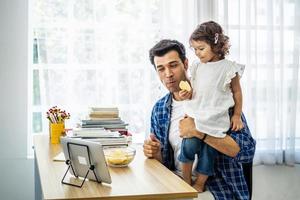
[104,112]
[104,119]
[106,126]
[102,122]
[94,132]
[110,141]
[104,109]
[103,115]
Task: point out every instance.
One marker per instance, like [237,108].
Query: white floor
[276,182]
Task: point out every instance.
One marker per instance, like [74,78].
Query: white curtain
[95,53]
[265,35]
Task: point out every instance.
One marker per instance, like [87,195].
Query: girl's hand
[185,95]
[236,123]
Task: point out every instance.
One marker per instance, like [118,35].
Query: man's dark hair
[164,46]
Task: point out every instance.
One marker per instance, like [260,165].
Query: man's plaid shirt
[228,183]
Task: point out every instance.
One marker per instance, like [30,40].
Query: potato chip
[118,157]
[184,85]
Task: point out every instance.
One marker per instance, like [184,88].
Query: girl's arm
[236,121]
[237,95]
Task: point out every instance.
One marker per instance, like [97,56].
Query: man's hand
[236,123]
[152,147]
[187,127]
[185,95]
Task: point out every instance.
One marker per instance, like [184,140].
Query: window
[264,36]
[95,53]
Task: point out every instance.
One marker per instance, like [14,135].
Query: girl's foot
[199,188]
[199,184]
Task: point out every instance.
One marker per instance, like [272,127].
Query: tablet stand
[69,163]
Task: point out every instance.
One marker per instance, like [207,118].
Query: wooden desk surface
[142,179]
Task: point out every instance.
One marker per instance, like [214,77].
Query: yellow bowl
[119,156]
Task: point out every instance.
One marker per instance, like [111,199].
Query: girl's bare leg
[199,184]
[187,172]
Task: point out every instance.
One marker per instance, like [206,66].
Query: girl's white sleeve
[232,70]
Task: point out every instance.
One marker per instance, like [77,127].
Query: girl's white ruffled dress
[212,95]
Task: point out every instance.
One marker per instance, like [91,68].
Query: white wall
[16,170]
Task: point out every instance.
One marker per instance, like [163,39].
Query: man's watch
[204,137]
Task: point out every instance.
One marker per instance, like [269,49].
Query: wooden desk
[142,179]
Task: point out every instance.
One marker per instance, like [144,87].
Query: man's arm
[239,145]
[224,145]
[246,143]
[152,146]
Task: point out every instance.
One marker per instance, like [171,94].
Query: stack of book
[105,137]
[105,126]
[107,118]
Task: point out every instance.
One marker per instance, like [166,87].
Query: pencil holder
[56,130]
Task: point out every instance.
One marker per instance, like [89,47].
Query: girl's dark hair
[212,33]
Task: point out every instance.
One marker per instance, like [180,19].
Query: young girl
[215,94]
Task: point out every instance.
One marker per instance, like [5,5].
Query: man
[169,124]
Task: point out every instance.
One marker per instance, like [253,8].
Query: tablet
[79,151]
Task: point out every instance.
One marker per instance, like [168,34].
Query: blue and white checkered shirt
[228,183]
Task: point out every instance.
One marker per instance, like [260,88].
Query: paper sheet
[60,157]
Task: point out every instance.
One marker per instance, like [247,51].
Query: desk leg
[37,181]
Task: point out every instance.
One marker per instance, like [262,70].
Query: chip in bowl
[119,156]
